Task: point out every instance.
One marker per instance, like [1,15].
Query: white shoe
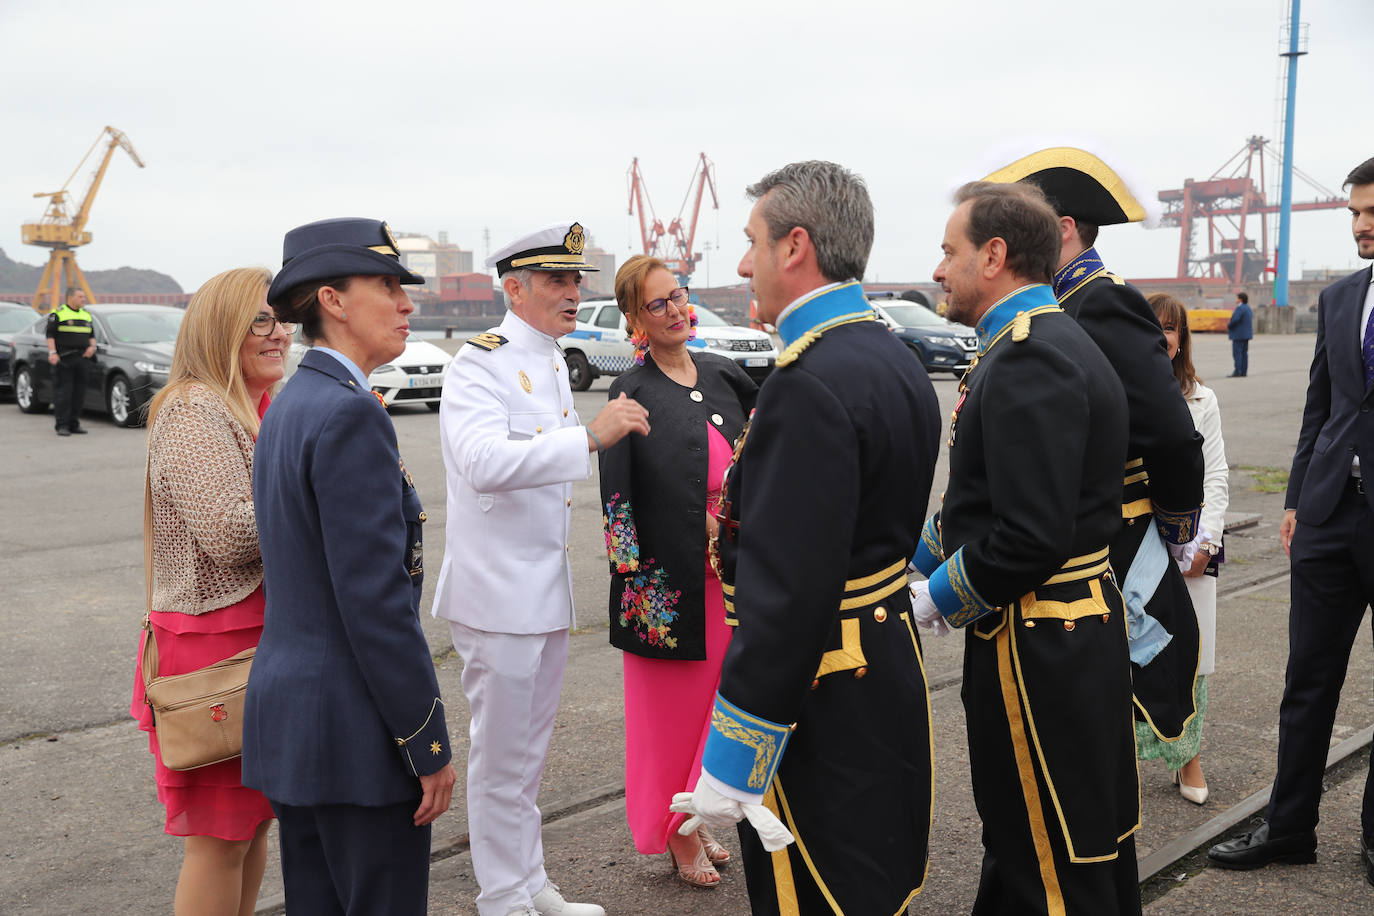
[549,902]
[523,911]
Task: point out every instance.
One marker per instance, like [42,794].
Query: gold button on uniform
[565,413]
[539,429]
[570,502]
[1106,617]
[816,683]
[424,517]
[860,672]
[880,614]
[1030,623]
[1069,624]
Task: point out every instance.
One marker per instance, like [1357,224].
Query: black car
[133,354]
[940,344]
[13,319]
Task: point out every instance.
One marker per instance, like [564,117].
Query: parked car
[133,355]
[940,344]
[414,377]
[13,319]
[600,345]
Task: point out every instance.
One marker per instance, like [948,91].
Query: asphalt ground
[81,828]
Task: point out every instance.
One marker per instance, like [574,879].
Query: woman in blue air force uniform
[344,729]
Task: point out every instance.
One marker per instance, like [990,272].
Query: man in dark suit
[1328,532]
[1162,477]
[1240,327]
[822,509]
[343,726]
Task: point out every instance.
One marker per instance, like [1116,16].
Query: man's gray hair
[524,276]
[831,203]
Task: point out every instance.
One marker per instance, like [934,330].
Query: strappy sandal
[697,873]
[714,851]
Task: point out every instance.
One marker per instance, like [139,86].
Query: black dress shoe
[1252,850]
[79,430]
[1367,848]
[64,431]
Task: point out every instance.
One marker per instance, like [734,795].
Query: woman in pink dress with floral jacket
[666,609]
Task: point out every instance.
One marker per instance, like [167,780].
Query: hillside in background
[16,277]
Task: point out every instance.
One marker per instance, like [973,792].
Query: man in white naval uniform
[513,445]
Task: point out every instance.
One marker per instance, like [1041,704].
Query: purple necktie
[1368,349]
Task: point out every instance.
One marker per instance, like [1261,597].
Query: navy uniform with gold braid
[1018,554]
[1162,477]
[825,501]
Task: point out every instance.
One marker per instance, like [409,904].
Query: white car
[600,345]
[414,377]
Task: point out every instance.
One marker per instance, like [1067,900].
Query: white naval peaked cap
[555,247]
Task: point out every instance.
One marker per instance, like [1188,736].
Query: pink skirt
[667,718]
[210,801]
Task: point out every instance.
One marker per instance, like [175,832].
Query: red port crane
[1223,202]
[673,244]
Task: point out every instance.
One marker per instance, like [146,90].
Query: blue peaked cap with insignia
[347,247]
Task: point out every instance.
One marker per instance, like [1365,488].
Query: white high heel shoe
[1195,794]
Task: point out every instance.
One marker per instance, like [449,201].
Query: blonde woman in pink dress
[201,531]
[666,609]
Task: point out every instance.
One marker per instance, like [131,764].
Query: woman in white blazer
[1182,756]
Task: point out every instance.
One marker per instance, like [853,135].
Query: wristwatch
[1212,549]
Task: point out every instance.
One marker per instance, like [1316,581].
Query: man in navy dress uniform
[343,725]
[821,510]
[1018,555]
[1328,533]
[1161,495]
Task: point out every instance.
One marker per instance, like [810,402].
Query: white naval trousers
[512,683]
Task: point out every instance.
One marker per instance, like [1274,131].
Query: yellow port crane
[63,232]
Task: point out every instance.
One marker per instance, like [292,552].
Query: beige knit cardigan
[205,536]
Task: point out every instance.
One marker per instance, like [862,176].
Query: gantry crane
[1223,202]
[62,232]
[673,244]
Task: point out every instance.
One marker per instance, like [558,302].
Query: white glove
[924,611]
[716,811]
[1183,554]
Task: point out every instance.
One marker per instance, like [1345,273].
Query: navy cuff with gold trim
[930,553]
[1177,527]
[427,750]
[743,750]
[954,595]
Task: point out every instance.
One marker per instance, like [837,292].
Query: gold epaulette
[1115,279]
[789,356]
[795,349]
[1020,327]
[487,341]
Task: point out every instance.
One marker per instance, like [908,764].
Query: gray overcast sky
[256,116]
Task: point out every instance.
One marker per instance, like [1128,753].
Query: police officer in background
[1018,554]
[513,445]
[1162,479]
[821,510]
[71,344]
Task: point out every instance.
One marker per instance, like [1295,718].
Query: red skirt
[210,801]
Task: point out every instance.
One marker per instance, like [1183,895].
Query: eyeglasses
[657,307]
[264,324]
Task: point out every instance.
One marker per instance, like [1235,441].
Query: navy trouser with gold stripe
[1047,694]
[855,784]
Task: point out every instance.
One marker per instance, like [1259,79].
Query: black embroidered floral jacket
[653,495]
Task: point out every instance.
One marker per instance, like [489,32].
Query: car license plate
[435,382]
[756,361]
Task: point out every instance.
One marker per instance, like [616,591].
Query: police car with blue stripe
[600,345]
